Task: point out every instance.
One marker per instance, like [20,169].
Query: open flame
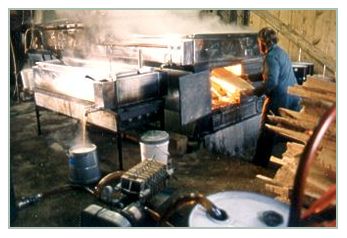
[235,69]
[226,85]
[223,93]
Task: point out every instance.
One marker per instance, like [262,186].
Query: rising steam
[121,24]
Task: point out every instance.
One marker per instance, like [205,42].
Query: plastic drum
[244,209]
[155,145]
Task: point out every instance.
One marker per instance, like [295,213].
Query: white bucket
[27,76]
[155,145]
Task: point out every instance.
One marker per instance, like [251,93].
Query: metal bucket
[83,164]
[155,145]
[27,76]
[309,66]
[300,72]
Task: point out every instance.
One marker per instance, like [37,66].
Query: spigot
[91,110]
[27,201]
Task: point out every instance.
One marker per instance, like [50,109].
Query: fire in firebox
[227,85]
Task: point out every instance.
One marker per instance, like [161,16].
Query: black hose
[33,199]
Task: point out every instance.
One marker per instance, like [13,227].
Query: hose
[192,199]
[106,180]
[30,200]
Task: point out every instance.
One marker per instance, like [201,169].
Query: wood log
[231,79]
[267,179]
[294,150]
[290,134]
[297,115]
[317,172]
[280,190]
[217,89]
[319,90]
[324,162]
[314,104]
[298,125]
[314,82]
[327,159]
[328,143]
[277,161]
[291,162]
[317,185]
[285,176]
[315,108]
[310,94]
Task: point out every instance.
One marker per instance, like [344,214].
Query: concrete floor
[39,163]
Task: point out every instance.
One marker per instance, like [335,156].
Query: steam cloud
[124,23]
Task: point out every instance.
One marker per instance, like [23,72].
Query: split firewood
[293,123]
[317,97]
[314,82]
[307,93]
[290,134]
[300,125]
[294,150]
[297,115]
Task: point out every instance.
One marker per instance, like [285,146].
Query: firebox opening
[227,83]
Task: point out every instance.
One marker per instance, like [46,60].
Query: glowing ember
[235,69]
[223,93]
[226,86]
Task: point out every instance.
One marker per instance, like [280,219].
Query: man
[277,75]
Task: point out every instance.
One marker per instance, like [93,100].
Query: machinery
[216,69]
[154,78]
[119,99]
[200,78]
[130,201]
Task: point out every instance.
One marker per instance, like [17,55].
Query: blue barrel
[83,164]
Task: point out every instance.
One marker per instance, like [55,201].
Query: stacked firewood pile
[317,97]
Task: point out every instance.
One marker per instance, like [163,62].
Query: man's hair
[268,35]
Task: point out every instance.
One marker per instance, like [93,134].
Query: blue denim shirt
[278,74]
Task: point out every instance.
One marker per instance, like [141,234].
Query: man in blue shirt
[277,75]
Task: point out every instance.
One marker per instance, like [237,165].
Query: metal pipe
[16,88]
[106,180]
[139,61]
[307,158]
[92,110]
[192,199]
[322,203]
[32,30]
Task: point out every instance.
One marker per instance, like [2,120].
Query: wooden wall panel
[318,27]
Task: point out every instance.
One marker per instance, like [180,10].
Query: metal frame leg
[37,111]
[119,145]
[162,119]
